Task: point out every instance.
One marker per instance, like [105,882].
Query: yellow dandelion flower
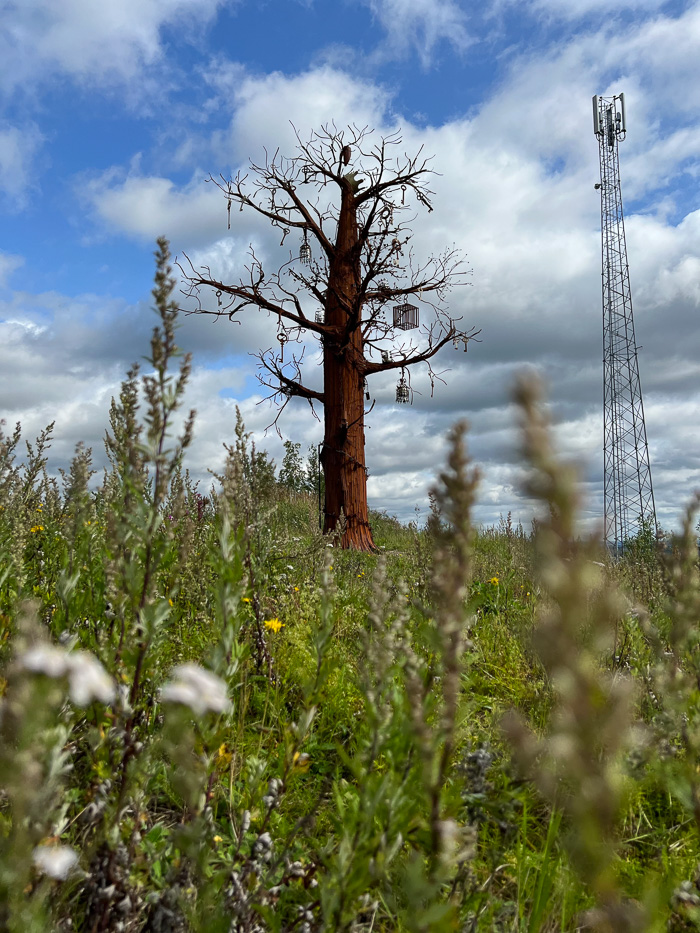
[494,580]
[274,625]
[218,839]
[296,589]
[171,603]
[245,599]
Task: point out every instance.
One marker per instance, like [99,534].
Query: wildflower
[301,761]
[494,581]
[45,659]
[197,688]
[274,624]
[223,757]
[36,528]
[55,861]
[296,589]
[217,840]
[88,680]
[245,599]
[170,602]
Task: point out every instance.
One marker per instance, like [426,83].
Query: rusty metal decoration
[402,389]
[405,316]
[305,250]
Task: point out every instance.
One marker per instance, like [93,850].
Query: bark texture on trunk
[343,453]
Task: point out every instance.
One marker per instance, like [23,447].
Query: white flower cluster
[193,686]
[55,861]
[87,678]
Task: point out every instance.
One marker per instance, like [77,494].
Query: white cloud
[419,26]
[574,9]
[18,150]
[8,264]
[91,41]
[150,206]
[266,106]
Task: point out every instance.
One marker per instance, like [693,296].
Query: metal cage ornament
[305,251]
[402,390]
[405,316]
[320,316]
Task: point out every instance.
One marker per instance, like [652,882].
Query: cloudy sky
[113,115]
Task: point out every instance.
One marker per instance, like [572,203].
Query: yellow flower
[296,589]
[218,839]
[274,624]
[245,599]
[223,757]
[301,761]
[494,580]
[170,602]
[36,528]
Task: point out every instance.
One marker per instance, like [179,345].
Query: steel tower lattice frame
[628,491]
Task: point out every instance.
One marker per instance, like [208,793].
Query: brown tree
[354,259]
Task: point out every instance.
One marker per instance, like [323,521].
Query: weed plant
[212,718]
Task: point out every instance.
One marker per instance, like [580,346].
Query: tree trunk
[343,453]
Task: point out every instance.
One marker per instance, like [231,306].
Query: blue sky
[112,116]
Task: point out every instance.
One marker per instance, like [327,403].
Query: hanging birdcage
[320,316]
[305,250]
[402,390]
[405,316]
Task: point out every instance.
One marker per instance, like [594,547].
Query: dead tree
[354,260]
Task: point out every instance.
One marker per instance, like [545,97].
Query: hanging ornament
[406,316]
[305,169]
[282,337]
[228,211]
[320,316]
[218,297]
[403,194]
[305,250]
[402,389]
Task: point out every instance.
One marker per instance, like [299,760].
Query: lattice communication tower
[628,492]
